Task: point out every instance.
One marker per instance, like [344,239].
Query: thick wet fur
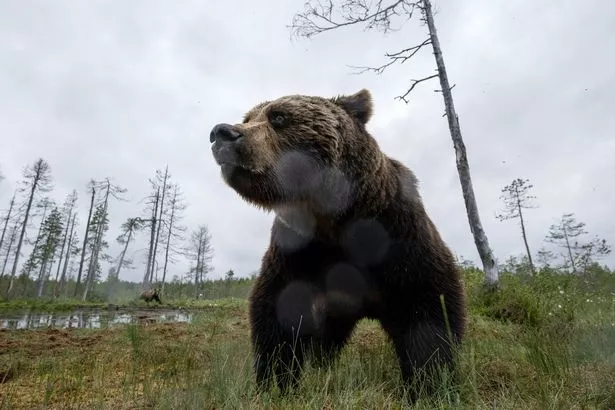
[351,239]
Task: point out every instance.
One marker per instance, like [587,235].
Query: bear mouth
[241,177]
[228,167]
[229,161]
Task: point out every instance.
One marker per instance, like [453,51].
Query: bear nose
[224,132]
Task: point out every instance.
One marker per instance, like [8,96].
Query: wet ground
[90,318]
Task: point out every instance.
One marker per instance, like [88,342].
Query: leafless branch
[317,16]
[398,57]
[414,84]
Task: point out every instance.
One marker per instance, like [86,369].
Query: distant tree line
[45,246]
[573,252]
[60,263]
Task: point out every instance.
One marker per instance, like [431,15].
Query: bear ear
[358,105]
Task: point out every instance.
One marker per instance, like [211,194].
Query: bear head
[302,153]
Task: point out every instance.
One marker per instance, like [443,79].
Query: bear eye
[277,119]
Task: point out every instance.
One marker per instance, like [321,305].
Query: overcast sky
[118,89]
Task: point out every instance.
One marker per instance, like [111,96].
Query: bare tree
[174,228]
[322,16]
[37,178]
[9,245]
[92,189]
[161,179]
[200,253]
[71,249]
[566,233]
[158,222]
[516,198]
[154,201]
[69,206]
[7,218]
[8,241]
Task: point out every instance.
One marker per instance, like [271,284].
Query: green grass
[523,351]
[67,305]
[48,305]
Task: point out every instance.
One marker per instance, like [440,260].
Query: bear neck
[373,194]
[376,190]
[377,178]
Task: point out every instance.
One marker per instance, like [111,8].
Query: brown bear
[151,294]
[350,240]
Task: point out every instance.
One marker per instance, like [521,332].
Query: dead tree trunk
[159,225]
[91,272]
[121,262]
[569,248]
[7,219]
[168,246]
[20,241]
[59,285]
[96,250]
[463,168]
[527,246]
[28,267]
[12,237]
[64,240]
[85,239]
[197,270]
[150,253]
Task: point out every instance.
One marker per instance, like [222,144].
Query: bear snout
[224,132]
[225,153]
[225,139]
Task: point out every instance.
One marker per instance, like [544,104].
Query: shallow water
[93,319]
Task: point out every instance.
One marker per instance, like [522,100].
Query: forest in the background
[48,250]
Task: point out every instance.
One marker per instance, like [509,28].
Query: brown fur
[151,294]
[351,239]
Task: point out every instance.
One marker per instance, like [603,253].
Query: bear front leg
[276,351]
[282,360]
[423,349]
[285,313]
